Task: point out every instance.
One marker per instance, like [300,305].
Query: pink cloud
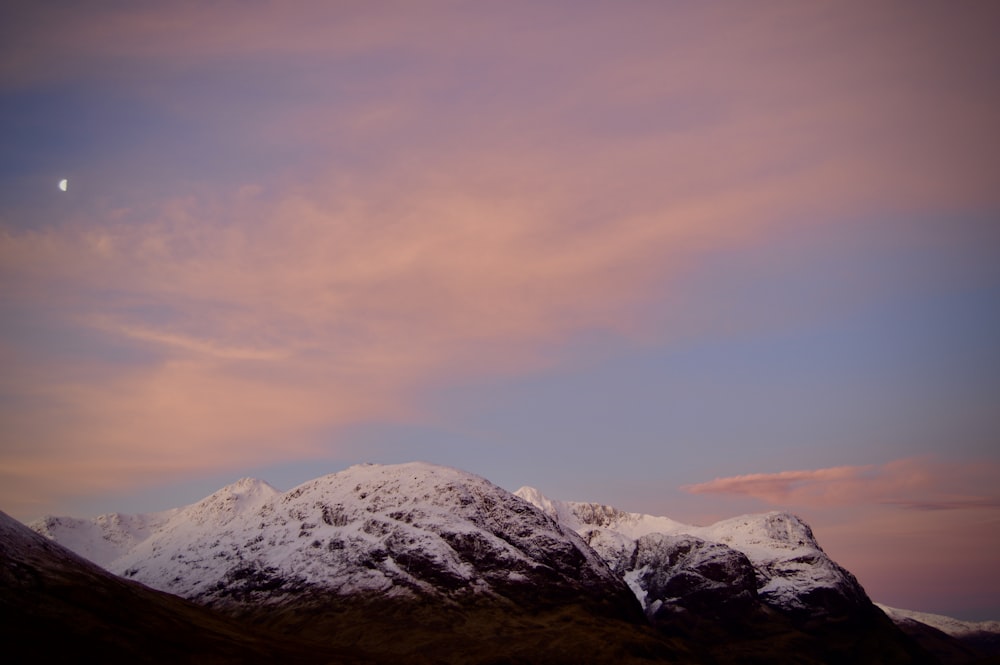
[304,308]
[916,483]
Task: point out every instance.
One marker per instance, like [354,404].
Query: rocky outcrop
[692,574]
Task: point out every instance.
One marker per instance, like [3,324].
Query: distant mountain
[109,537]
[953,641]
[416,562]
[105,538]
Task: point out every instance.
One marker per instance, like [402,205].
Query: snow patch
[633,580]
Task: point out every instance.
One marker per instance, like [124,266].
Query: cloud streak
[919,484]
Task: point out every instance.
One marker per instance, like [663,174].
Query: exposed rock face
[794,574]
[692,574]
[669,573]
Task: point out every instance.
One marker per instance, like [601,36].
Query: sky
[689,259]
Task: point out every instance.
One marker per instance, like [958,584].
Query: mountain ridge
[378,545]
[790,566]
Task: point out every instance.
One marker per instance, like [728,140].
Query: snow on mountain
[747,587]
[108,537]
[792,572]
[230,503]
[947,625]
[417,528]
[105,538]
[393,530]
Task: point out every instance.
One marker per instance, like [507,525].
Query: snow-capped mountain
[771,556]
[395,530]
[416,561]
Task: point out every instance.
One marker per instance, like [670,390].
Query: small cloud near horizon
[924,484]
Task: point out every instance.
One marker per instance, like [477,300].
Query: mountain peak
[247,487]
[249,483]
[770,529]
[242,497]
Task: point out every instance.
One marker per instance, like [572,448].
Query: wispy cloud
[192,344]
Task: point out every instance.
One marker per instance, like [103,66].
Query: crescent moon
[64,184]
